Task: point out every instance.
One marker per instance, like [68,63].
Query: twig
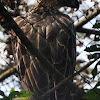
[87,19]
[88,31]
[7,73]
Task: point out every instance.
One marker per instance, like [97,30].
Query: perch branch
[88,31]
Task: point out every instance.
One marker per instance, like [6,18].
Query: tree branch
[87,19]
[6,73]
[88,31]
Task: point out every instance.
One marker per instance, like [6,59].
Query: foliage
[95,71]
[93,48]
[94,94]
[97,25]
[15,94]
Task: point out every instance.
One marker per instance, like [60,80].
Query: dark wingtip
[77,7]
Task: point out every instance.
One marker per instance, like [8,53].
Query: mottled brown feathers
[57,43]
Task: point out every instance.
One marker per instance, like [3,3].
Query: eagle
[53,34]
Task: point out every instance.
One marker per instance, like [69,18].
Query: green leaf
[93,48]
[5,98]
[94,72]
[97,25]
[93,94]
[16,94]
[24,95]
[93,56]
[13,94]
[2,93]
[12,90]
[23,92]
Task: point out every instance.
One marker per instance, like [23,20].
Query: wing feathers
[54,40]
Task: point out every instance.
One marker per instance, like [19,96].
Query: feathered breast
[55,41]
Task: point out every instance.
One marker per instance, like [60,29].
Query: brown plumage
[57,43]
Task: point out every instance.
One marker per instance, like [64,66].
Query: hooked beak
[77,6]
[73,4]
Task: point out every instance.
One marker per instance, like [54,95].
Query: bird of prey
[52,33]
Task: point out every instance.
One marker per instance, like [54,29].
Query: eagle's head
[60,3]
[70,3]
